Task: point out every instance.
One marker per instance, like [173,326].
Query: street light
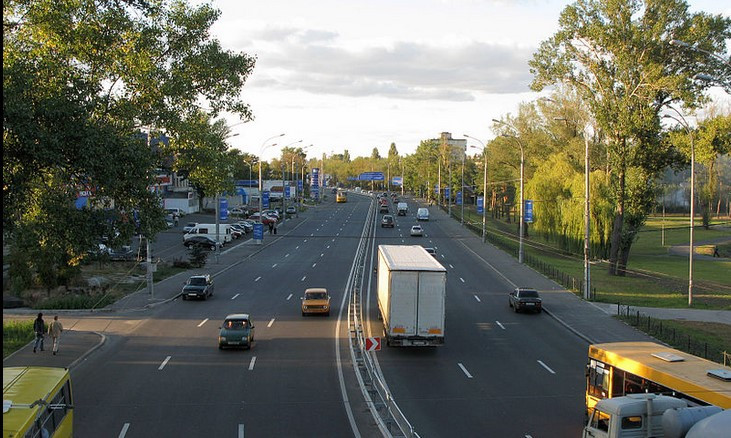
[685,125]
[522,165]
[484,185]
[261,188]
[294,175]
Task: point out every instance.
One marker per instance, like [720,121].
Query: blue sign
[528,213]
[247,182]
[371,176]
[315,192]
[286,192]
[265,199]
[81,202]
[436,189]
[223,209]
[446,192]
[299,186]
[258,231]
[397,181]
[459,197]
[480,205]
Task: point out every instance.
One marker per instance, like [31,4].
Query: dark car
[387,221]
[525,299]
[204,242]
[198,286]
[237,331]
[123,253]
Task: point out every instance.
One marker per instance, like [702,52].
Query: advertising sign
[258,232]
[286,192]
[528,214]
[459,197]
[397,181]
[265,199]
[480,205]
[223,209]
[446,193]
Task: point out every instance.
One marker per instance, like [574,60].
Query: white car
[236,211]
[416,230]
[189,226]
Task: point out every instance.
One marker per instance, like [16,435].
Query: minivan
[224,231]
[422,214]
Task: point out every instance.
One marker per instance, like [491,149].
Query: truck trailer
[411,296]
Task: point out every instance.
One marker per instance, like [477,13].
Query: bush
[77,302]
[180,263]
[198,256]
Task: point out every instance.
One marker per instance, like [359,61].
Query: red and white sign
[373,344]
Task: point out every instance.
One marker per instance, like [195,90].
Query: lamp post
[522,207]
[484,186]
[261,188]
[461,218]
[685,125]
[250,164]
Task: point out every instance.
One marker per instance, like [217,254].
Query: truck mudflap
[414,341]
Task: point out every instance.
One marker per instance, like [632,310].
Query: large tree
[618,55]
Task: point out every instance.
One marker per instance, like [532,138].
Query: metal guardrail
[383,407]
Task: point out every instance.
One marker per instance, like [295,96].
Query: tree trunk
[616,243]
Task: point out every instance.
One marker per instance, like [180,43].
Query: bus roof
[22,386]
[679,371]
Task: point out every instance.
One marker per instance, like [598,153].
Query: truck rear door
[431,304]
[403,303]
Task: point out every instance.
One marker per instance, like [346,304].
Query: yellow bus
[341,196]
[37,402]
[621,368]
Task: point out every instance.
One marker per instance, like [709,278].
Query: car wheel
[510,303]
[327,313]
[303,314]
[212,247]
[205,297]
[515,308]
[220,347]
[185,298]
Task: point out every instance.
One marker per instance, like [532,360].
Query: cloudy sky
[359,74]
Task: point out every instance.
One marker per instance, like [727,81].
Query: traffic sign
[373,344]
[459,197]
[480,205]
[528,215]
[223,209]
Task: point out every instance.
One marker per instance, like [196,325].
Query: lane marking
[257,279]
[477,298]
[328,247]
[123,433]
[546,367]
[461,279]
[203,322]
[311,234]
[241,431]
[303,278]
[501,326]
[270,323]
[235,296]
[450,265]
[162,365]
[290,296]
[305,241]
[337,234]
[333,240]
[467,373]
[274,265]
[286,255]
[251,364]
[297,247]
[322,254]
[314,264]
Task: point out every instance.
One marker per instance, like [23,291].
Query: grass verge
[16,334]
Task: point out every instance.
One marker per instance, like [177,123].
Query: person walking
[55,329]
[39,327]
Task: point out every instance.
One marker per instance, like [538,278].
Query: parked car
[291,210]
[236,232]
[198,286]
[432,252]
[240,228]
[265,219]
[178,213]
[387,221]
[417,231]
[204,242]
[237,330]
[316,300]
[189,226]
[237,211]
[525,299]
[247,224]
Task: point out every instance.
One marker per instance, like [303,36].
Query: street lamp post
[685,125]
[522,207]
[461,218]
[261,188]
[484,186]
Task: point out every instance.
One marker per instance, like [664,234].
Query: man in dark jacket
[39,327]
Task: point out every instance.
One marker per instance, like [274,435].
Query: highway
[498,374]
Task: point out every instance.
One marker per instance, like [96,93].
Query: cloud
[312,61]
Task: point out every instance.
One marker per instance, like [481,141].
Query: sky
[358,74]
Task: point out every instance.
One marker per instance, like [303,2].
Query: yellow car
[316,300]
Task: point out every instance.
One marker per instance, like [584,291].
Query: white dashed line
[501,326]
[274,265]
[467,373]
[450,265]
[303,278]
[546,367]
[478,299]
[270,323]
[311,234]
[257,279]
[286,255]
[461,279]
[251,364]
[297,247]
[123,432]
[290,296]
[162,365]
[333,240]
[327,247]
[235,296]
[203,322]
[314,264]
[241,431]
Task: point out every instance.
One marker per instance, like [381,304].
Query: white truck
[650,415]
[224,232]
[411,296]
[402,208]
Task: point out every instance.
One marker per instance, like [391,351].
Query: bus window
[598,380]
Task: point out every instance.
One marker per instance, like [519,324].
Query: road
[498,374]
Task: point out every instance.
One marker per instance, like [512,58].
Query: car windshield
[316,295]
[197,281]
[236,324]
[528,294]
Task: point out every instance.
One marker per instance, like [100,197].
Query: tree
[617,55]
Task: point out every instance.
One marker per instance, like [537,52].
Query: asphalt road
[498,374]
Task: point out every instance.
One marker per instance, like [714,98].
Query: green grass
[16,334]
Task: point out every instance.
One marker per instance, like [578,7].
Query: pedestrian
[275,227]
[271,227]
[55,329]
[39,327]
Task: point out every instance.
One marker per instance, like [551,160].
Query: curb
[101,342]
[571,329]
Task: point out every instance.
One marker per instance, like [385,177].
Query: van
[402,208]
[422,214]
[224,231]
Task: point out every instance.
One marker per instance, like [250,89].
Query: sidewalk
[73,348]
[718,316]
